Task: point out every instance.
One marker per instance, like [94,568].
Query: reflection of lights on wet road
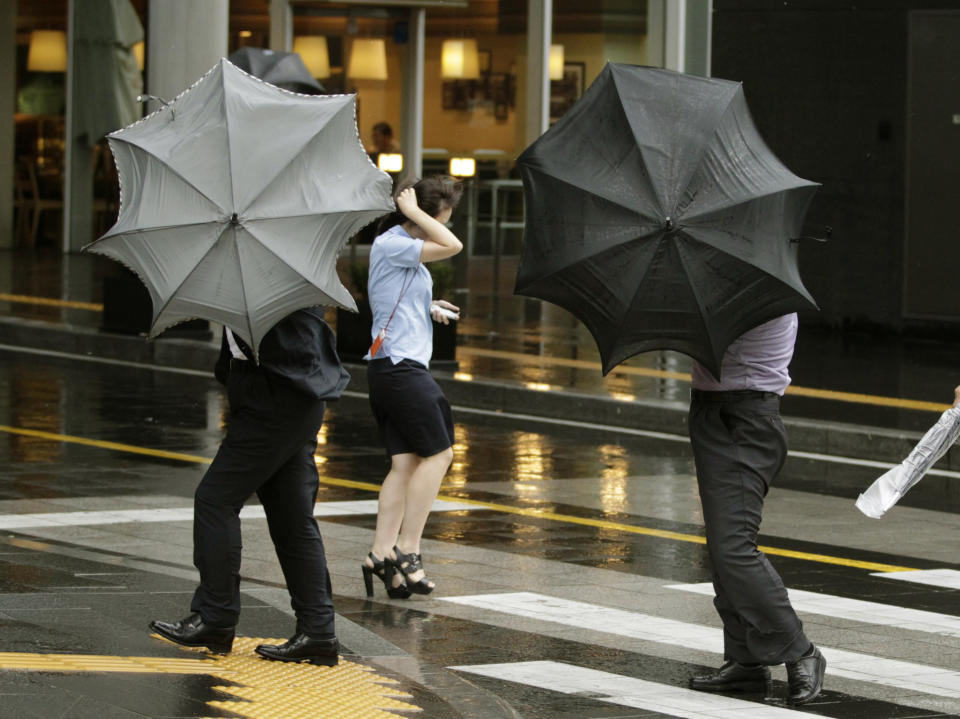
[465,376]
[616,465]
[530,460]
[538,386]
[36,397]
[623,396]
[460,467]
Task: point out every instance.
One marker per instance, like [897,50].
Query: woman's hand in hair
[956,397]
[407,203]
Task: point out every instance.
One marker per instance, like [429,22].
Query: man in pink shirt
[739,445]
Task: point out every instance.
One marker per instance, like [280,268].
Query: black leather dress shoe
[805,677]
[193,632]
[733,677]
[301,648]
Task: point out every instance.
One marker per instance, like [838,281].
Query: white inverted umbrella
[888,489]
[236,199]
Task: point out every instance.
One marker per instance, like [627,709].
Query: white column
[539,34]
[8,19]
[699,37]
[675,35]
[666,33]
[281,25]
[185,39]
[77,189]
[411,140]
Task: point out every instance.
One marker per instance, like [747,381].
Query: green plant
[358,272]
[442,279]
[442,273]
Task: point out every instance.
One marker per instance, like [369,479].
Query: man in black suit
[276,409]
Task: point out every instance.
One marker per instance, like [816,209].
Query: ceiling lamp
[312,49]
[48,51]
[459,60]
[368,59]
[556,62]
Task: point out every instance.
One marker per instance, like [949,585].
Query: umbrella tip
[668,225]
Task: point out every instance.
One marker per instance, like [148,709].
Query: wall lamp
[463,167]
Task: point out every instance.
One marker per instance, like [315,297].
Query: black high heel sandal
[408,564]
[385,569]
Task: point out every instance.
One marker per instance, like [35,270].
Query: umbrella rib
[694,166]
[143,230]
[703,151]
[281,170]
[171,169]
[243,292]
[771,193]
[279,258]
[592,191]
[636,292]
[190,273]
[226,126]
[693,289]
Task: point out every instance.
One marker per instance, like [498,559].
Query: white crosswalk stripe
[840,662]
[185,514]
[859,610]
[947,578]
[628,691]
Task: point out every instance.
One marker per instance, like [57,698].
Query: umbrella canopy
[283,69]
[659,218]
[236,199]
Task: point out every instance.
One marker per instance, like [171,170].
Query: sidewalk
[853,395]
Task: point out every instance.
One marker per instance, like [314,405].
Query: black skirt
[411,411]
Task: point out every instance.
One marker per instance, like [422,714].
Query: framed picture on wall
[565,92]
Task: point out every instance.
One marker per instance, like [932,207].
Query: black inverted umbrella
[283,69]
[659,218]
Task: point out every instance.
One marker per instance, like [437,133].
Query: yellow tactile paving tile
[261,689]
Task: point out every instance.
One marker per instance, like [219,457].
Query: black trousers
[269,449]
[739,445]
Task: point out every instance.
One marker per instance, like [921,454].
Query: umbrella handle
[827,232]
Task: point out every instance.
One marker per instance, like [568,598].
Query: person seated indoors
[382,140]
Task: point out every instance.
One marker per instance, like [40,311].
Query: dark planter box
[127,310]
[353,338]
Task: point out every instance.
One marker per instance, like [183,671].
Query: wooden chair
[34,203]
[21,187]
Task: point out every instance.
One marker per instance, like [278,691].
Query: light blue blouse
[395,264]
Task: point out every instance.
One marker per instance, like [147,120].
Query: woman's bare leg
[392,502]
[422,489]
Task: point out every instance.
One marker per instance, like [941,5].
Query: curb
[819,436]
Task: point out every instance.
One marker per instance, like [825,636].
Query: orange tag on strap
[375,347]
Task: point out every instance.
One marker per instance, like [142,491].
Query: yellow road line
[505,508]
[49,301]
[117,446]
[634,529]
[852,397]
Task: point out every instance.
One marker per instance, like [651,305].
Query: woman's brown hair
[435,193]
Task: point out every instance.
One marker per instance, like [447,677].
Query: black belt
[731,395]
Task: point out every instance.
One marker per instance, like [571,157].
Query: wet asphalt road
[592,528]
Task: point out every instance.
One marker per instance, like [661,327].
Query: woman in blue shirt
[414,417]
